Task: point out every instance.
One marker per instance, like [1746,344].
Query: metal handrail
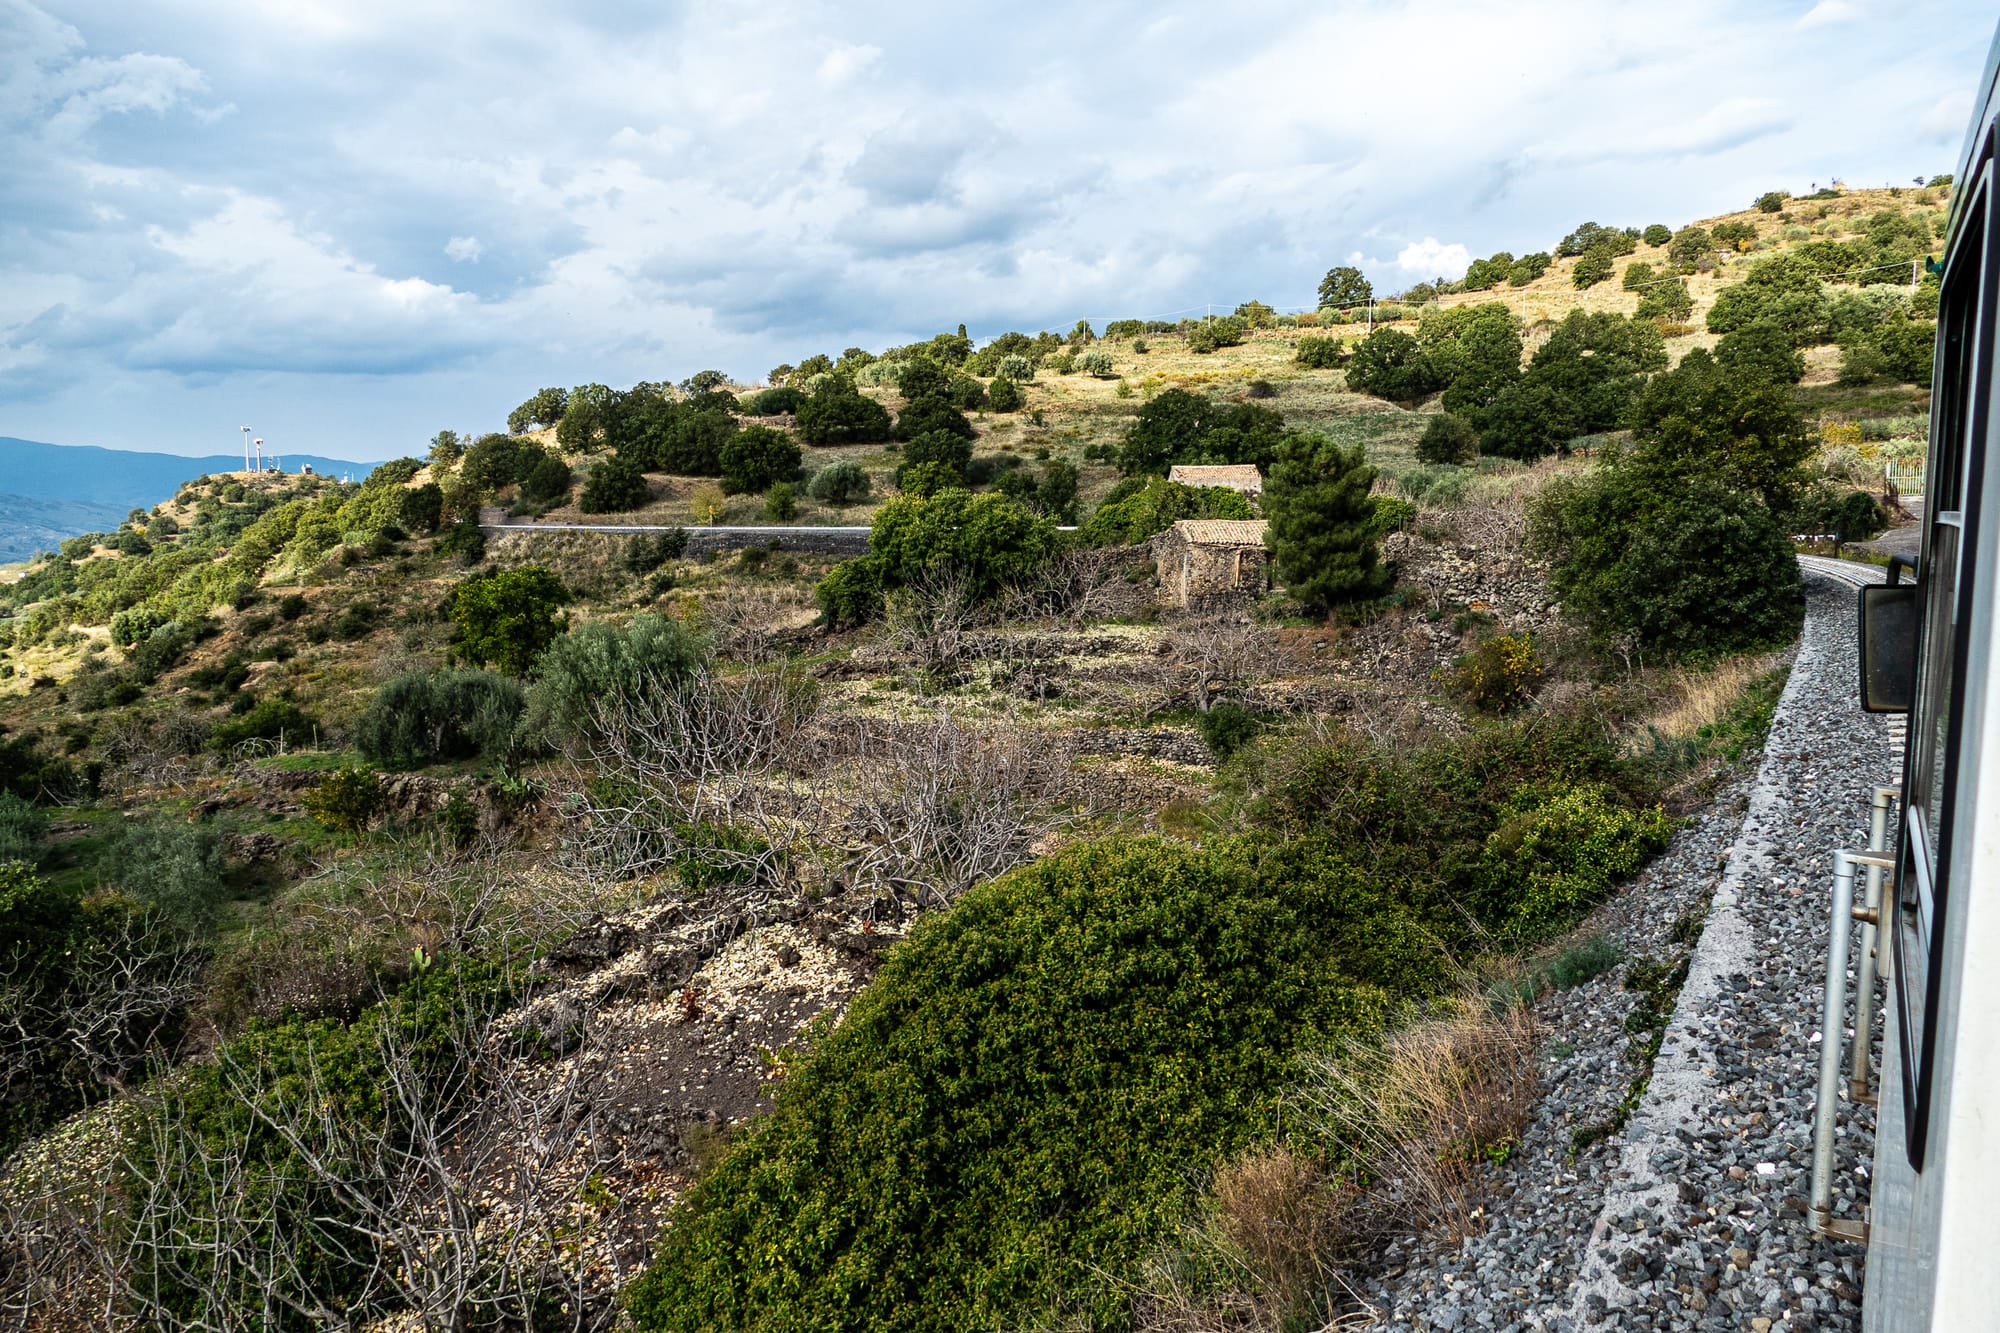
[1834,1012]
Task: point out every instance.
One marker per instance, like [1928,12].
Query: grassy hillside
[572,905]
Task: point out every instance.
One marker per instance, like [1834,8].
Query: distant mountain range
[52,491]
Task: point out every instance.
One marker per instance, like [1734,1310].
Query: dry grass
[1385,1139]
[1697,699]
[1424,1111]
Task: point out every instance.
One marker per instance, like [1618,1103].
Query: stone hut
[1242,477]
[1200,561]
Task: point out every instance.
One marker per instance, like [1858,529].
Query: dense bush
[1689,246]
[1529,267]
[645,553]
[1593,266]
[277,720]
[1761,350]
[346,800]
[1475,354]
[755,457]
[1320,513]
[1772,201]
[598,666]
[1317,353]
[1390,363]
[1656,235]
[953,452]
[548,482]
[1228,727]
[1005,394]
[1017,368]
[1556,855]
[1783,292]
[1139,508]
[176,869]
[1691,569]
[1179,426]
[1582,380]
[1499,674]
[773,402]
[840,483]
[988,539]
[837,413]
[1667,300]
[1590,236]
[1448,439]
[508,618]
[1736,422]
[1030,1086]
[616,485]
[422,717]
[851,592]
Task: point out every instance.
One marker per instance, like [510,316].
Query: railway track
[1851,572]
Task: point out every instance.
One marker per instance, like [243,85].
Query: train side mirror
[1890,615]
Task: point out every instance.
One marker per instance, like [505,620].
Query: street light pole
[246,448]
[259,442]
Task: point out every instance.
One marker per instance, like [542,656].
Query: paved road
[720,530]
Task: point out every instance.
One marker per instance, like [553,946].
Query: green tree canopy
[508,618]
[1343,285]
[838,413]
[1392,364]
[616,485]
[757,456]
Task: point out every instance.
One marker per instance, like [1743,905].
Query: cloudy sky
[349,223]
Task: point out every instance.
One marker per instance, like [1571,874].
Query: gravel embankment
[1692,1216]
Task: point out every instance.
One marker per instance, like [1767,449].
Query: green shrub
[645,552]
[1593,267]
[927,478]
[989,539]
[1448,439]
[544,409]
[1391,364]
[507,619]
[851,592]
[1096,363]
[22,828]
[422,717]
[616,485]
[1656,235]
[840,483]
[1005,394]
[1583,962]
[773,402]
[1499,674]
[1017,368]
[1228,727]
[1317,353]
[278,720]
[346,800]
[1667,300]
[1139,508]
[1029,1090]
[1772,201]
[175,869]
[1557,855]
[781,502]
[1690,568]
[548,482]
[757,456]
[598,666]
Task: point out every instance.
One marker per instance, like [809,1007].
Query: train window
[1951,491]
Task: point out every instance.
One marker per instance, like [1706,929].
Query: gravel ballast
[1691,1214]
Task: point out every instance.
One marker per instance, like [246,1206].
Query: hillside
[733,934]
[55,491]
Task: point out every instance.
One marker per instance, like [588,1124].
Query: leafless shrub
[1420,1112]
[707,768]
[155,749]
[743,623]
[122,990]
[928,621]
[1076,587]
[938,805]
[1208,656]
[468,1202]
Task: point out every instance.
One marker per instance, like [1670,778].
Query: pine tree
[1319,509]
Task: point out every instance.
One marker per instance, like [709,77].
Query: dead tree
[1211,655]
[929,621]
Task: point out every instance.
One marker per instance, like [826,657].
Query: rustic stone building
[1202,561]
[1242,477]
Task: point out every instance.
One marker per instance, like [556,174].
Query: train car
[1933,1228]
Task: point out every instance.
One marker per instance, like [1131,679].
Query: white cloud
[1430,258]
[739,186]
[845,62]
[1828,13]
[1946,120]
